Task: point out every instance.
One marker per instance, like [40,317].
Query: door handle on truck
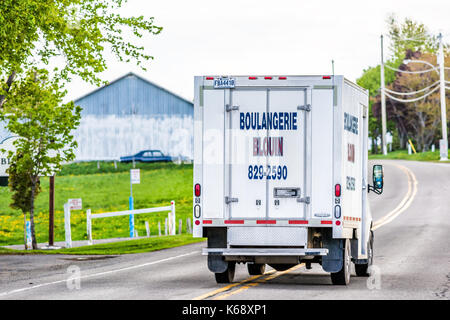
[304,108]
[286,192]
[229,200]
[229,108]
[306,200]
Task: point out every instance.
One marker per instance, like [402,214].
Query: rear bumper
[206,222]
[265,252]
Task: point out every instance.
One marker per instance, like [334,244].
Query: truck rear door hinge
[306,200]
[229,200]
[304,108]
[229,108]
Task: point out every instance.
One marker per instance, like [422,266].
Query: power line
[412,92]
[411,100]
[413,72]
[409,39]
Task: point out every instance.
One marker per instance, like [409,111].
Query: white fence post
[147,228]
[165,227]
[159,228]
[89,226]
[67,225]
[188,225]
[172,220]
[180,226]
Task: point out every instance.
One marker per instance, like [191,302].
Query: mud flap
[333,261]
[216,263]
[217,238]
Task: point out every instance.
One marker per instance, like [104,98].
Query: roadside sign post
[51,211]
[89,226]
[29,241]
[135,178]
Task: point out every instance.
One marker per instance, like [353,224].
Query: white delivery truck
[280,174]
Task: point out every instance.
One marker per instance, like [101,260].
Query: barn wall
[110,137]
[130,115]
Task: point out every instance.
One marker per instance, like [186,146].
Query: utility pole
[443,143]
[383,104]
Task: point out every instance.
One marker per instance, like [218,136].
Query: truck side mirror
[378,176]
[377,179]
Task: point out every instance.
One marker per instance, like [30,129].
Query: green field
[103,190]
[403,155]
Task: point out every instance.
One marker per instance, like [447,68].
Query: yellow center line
[404,204]
[259,281]
[228,287]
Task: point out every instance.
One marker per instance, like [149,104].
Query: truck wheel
[362,270]
[256,268]
[228,275]
[342,277]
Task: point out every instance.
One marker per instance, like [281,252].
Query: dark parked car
[147,156]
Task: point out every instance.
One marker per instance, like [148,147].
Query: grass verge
[116,248]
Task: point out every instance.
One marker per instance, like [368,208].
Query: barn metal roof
[137,76]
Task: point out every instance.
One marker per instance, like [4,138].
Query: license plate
[224,83]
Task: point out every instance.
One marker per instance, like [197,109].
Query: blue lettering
[280,120]
[294,121]
[241,121]
[275,122]
[264,124]
[247,121]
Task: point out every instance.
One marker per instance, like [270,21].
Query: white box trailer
[280,173]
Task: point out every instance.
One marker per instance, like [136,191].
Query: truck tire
[255,269]
[342,277]
[228,275]
[362,270]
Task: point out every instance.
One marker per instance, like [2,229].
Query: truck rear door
[267,151]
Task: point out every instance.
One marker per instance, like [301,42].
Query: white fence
[171,218]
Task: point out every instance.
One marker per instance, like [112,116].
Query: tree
[420,119]
[36,114]
[409,36]
[37,34]
[20,185]
[409,39]
[40,32]
[370,80]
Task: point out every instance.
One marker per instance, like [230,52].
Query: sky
[249,37]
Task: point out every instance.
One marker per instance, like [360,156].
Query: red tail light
[197,190]
[209,78]
[337,190]
[282,78]
[326,77]
[268,78]
[252,78]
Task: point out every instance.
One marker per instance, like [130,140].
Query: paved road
[412,258]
